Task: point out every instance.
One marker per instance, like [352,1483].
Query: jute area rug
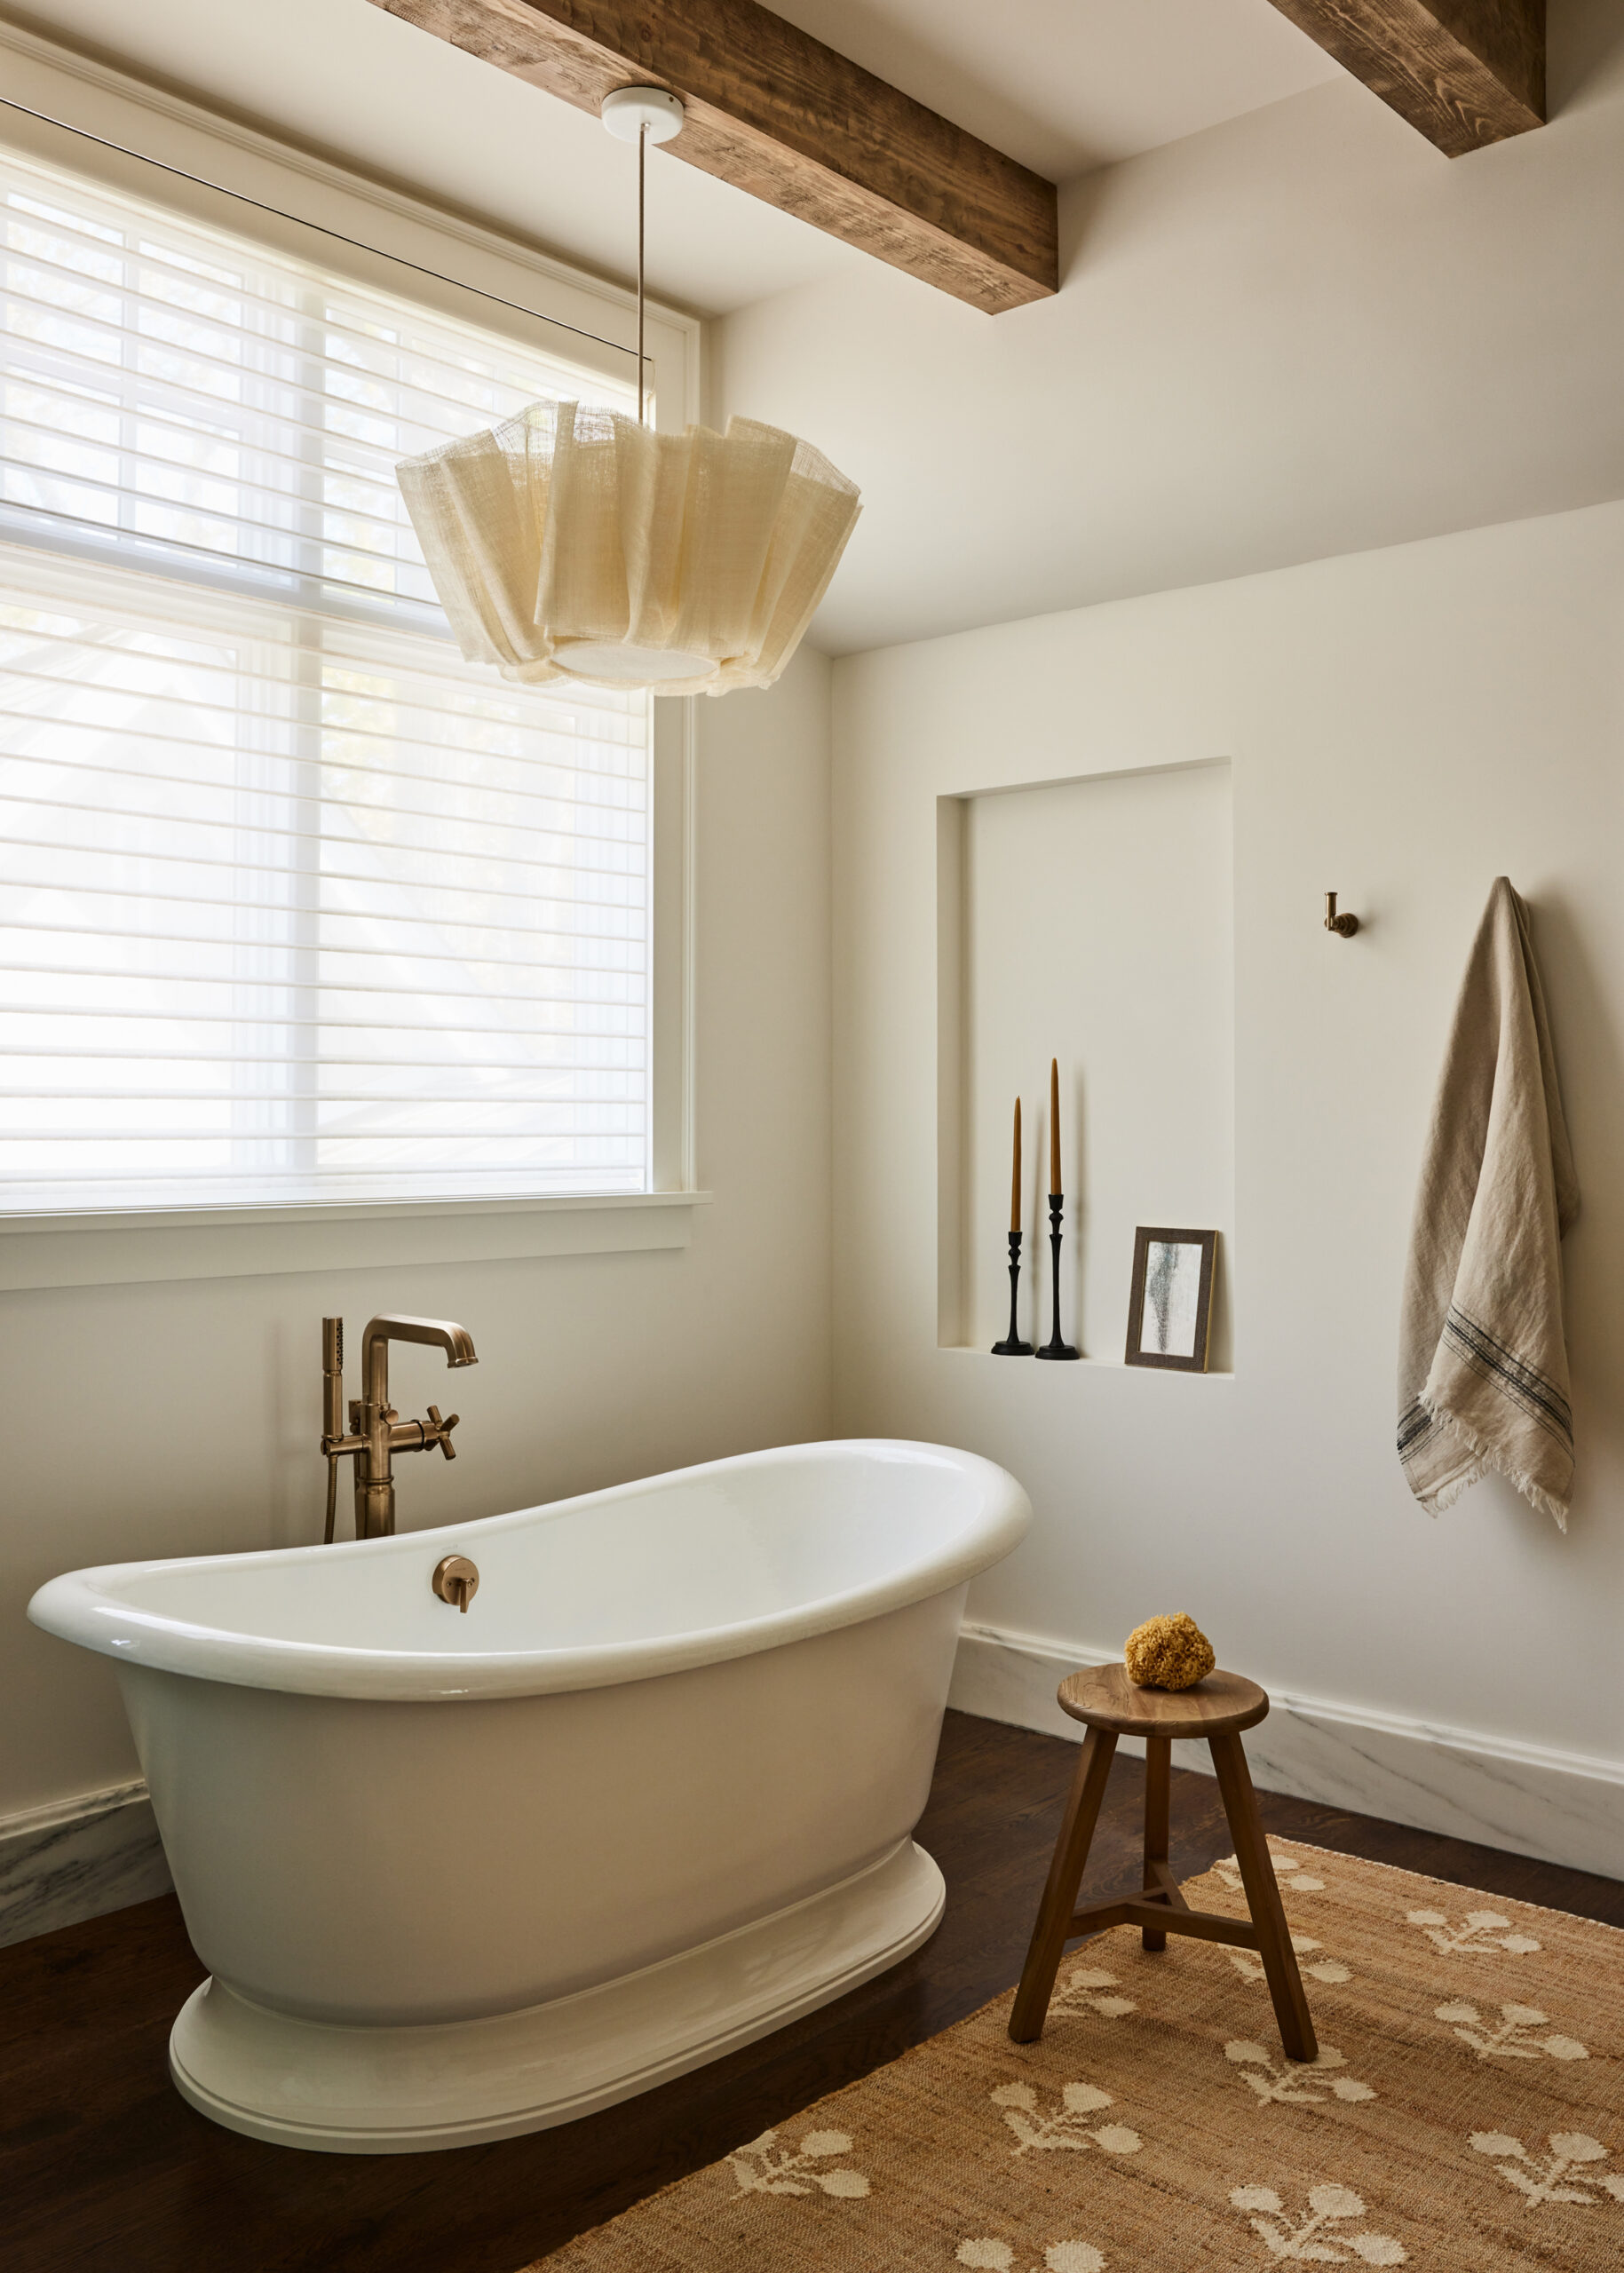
[1466,2113]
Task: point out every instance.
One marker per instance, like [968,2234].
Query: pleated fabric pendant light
[573,543]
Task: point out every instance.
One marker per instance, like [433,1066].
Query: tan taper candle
[1054,1125]
[1015,1181]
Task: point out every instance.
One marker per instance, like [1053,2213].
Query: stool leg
[1157,1773]
[1037,1980]
[1262,1895]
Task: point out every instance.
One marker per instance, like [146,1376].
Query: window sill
[256,1242]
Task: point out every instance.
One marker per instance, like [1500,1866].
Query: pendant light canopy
[572,542]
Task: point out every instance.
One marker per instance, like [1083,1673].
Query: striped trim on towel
[1527,1388]
[1524,1384]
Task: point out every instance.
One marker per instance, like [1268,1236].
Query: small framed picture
[1170,1306]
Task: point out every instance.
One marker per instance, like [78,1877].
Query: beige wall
[182,1418]
[1402,725]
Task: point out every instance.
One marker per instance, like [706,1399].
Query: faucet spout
[440,1333]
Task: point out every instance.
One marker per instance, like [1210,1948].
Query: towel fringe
[1484,1458]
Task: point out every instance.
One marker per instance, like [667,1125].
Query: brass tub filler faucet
[376,1433]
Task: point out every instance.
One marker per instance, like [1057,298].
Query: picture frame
[1169,1300]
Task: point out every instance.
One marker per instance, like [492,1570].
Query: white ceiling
[1061,85]
[1064,85]
[1301,333]
[1289,329]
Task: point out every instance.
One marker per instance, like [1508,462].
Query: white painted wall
[182,1418]
[1402,725]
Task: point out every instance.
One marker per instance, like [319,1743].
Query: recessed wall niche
[1090,921]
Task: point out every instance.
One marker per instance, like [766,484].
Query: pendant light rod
[649,114]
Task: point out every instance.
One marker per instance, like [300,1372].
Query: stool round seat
[1221,1705]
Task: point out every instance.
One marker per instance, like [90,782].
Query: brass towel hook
[1344,926]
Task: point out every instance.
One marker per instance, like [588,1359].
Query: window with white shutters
[295,905]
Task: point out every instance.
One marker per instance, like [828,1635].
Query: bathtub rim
[85,1608]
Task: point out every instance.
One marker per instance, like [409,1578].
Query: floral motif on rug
[1465,2115]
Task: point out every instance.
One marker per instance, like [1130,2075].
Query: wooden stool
[1217,1708]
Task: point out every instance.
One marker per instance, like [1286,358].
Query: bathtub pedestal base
[381,2090]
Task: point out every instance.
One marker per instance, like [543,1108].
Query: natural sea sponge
[1168,1653]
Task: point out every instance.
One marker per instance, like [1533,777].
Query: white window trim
[104,1249]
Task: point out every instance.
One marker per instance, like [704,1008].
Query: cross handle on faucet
[440,1432]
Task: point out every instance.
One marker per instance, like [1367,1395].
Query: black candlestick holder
[1055,1347]
[1012,1346]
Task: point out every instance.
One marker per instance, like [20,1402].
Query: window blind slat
[40,822]
[433,663]
[298,905]
[495,973]
[273,341]
[66,264]
[497,797]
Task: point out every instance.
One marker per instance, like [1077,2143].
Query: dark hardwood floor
[105,2169]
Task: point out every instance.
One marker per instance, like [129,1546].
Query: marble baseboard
[1560,1807]
[76,1859]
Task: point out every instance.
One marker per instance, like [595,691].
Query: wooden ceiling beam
[1464,73]
[776,112]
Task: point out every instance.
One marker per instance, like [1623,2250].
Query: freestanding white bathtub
[460,1875]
